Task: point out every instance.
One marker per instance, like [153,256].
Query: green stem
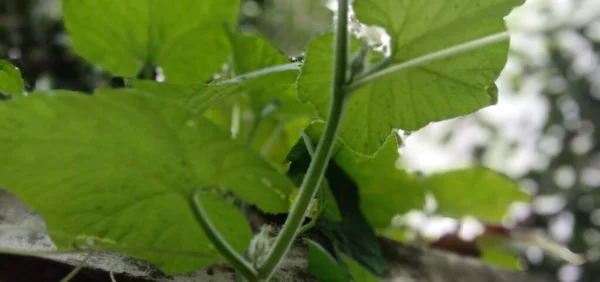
[319,163]
[261,72]
[304,228]
[382,64]
[461,48]
[220,243]
[265,112]
[236,120]
[275,135]
[308,143]
[253,130]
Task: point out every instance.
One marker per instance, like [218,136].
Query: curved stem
[461,48]
[215,237]
[319,163]
[76,270]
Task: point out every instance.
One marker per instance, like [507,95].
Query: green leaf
[352,235]
[276,136]
[185,37]
[251,53]
[288,24]
[327,204]
[10,79]
[479,192]
[278,115]
[357,271]
[123,165]
[323,265]
[369,192]
[411,99]
[384,189]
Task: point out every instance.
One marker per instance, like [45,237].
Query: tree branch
[406,262]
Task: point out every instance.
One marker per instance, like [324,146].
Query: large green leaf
[122,165]
[434,91]
[185,37]
[10,79]
[479,192]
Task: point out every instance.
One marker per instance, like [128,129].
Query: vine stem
[215,237]
[444,53]
[318,165]
[260,72]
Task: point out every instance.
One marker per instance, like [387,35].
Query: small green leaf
[358,272]
[479,192]
[251,53]
[122,165]
[411,99]
[322,265]
[10,79]
[288,24]
[281,117]
[185,37]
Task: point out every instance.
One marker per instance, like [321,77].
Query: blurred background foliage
[543,132]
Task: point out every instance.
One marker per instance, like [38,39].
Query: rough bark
[407,263]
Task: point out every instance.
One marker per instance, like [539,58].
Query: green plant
[143,169]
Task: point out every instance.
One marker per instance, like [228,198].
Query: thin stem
[478,43]
[319,163]
[275,135]
[215,237]
[261,72]
[112,276]
[308,143]
[236,120]
[307,226]
[265,112]
[75,270]
[253,130]
[382,64]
